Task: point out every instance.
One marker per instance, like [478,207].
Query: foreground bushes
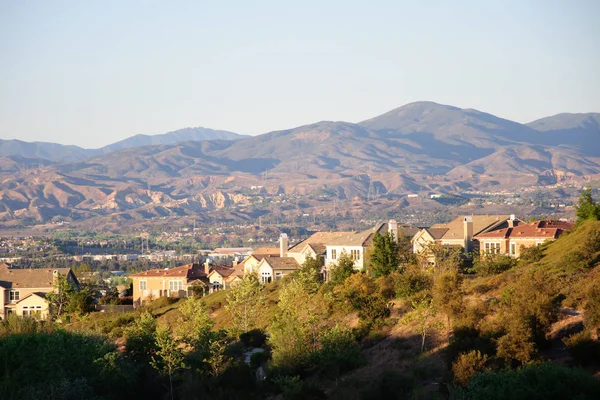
[531,382]
[61,365]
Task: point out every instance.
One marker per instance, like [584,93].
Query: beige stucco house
[23,291]
[517,236]
[175,282]
[460,232]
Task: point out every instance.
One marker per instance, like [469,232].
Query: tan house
[460,232]
[517,236]
[251,262]
[176,282]
[23,291]
[224,277]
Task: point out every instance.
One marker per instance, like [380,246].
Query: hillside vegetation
[510,330]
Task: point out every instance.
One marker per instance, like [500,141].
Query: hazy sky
[93,72]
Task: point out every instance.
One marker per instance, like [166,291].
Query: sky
[90,73]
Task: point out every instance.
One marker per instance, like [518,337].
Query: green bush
[468,364]
[414,280]
[583,349]
[339,351]
[493,264]
[531,382]
[61,365]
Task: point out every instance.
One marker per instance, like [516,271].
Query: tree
[244,302]
[59,298]
[587,208]
[169,357]
[446,294]
[295,329]
[423,314]
[141,338]
[195,325]
[343,269]
[362,294]
[385,255]
[310,274]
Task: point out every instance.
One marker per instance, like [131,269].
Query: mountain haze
[418,148]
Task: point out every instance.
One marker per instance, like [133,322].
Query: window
[142,285]
[513,249]
[333,254]
[32,311]
[175,285]
[355,254]
[14,295]
[492,248]
[265,277]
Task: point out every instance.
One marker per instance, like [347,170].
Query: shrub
[531,382]
[493,264]
[414,280]
[339,351]
[583,349]
[467,365]
[254,338]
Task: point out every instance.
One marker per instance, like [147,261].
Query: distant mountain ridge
[69,153]
[422,147]
[180,135]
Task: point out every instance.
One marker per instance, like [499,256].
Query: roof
[37,294]
[266,251]
[233,250]
[282,262]
[481,223]
[223,271]
[534,230]
[318,240]
[189,271]
[263,252]
[29,278]
[437,233]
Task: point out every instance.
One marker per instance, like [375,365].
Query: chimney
[512,221]
[206,266]
[468,232]
[283,245]
[393,227]
[55,278]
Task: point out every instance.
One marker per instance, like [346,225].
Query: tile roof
[437,233]
[223,271]
[318,238]
[481,223]
[263,252]
[28,278]
[190,271]
[534,230]
[282,263]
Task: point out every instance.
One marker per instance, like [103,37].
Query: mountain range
[418,148]
[65,153]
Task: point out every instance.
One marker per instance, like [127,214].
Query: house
[356,244]
[251,262]
[460,232]
[23,291]
[175,282]
[221,277]
[513,239]
[326,247]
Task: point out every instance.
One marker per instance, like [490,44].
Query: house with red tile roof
[459,232]
[513,239]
